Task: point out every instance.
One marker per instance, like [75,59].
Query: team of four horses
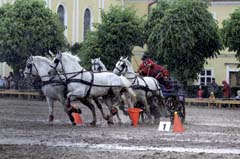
[65,80]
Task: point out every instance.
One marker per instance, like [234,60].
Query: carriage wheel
[170,107]
[173,105]
[170,104]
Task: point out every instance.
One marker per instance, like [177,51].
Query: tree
[90,48]
[184,37]
[231,33]
[28,28]
[116,36]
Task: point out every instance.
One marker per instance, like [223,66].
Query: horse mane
[102,64]
[70,55]
[129,64]
[42,59]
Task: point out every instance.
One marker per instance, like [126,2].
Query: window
[205,77]
[234,78]
[61,13]
[87,22]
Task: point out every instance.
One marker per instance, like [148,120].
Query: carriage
[174,99]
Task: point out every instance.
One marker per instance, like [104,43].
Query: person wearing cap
[150,68]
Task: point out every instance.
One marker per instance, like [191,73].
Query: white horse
[86,84]
[53,87]
[147,89]
[98,66]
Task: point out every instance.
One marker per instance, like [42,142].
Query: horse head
[30,68]
[122,66]
[65,63]
[97,65]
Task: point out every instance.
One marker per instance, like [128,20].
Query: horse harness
[135,83]
[51,81]
[81,80]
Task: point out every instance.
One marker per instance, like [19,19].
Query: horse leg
[155,106]
[113,109]
[69,110]
[132,95]
[108,102]
[100,108]
[147,110]
[91,107]
[50,109]
[126,101]
[162,107]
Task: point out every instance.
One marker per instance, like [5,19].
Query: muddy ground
[26,133]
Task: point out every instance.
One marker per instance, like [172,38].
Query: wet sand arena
[25,133]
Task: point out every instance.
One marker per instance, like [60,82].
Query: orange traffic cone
[77,118]
[177,124]
[134,115]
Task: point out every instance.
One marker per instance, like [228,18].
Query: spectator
[226,90]
[1,82]
[21,81]
[200,92]
[6,85]
[212,96]
[213,87]
[238,95]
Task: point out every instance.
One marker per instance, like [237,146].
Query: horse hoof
[107,117]
[114,111]
[110,123]
[93,124]
[51,118]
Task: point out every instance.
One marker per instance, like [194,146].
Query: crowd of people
[214,90]
[18,82]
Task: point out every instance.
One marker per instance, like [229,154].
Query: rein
[136,78]
[43,83]
[81,80]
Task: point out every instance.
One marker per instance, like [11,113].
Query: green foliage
[28,28]
[116,36]
[155,17]
[231,33]
[90,48]
[184,37]
[75,49]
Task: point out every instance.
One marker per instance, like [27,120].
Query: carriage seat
[170,86]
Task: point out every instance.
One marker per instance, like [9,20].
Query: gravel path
[25,133]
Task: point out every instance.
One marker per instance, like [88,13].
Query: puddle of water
[144,148]
[102,147]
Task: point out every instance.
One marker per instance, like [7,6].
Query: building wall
[226,62]
[74,17]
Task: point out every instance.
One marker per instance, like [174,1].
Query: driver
[150,68]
